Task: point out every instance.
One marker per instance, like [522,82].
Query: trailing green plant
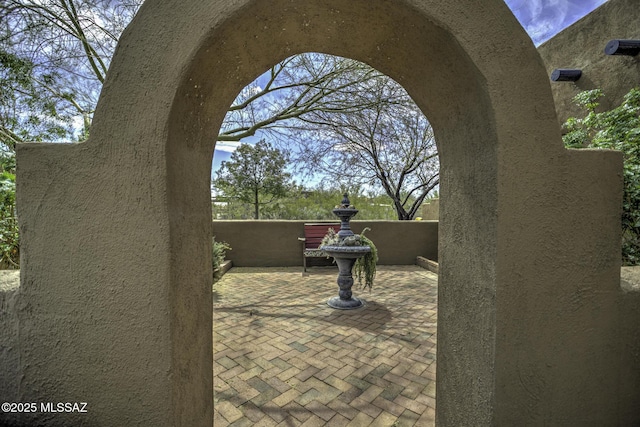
[617,129]
[218,253]
[365,266]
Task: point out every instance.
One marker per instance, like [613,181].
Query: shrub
[218,253]
[9,239]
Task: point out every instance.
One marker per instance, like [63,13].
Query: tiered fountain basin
[345,253]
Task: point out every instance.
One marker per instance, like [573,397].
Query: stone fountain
[345,252]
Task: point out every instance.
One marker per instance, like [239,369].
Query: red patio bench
[313,234]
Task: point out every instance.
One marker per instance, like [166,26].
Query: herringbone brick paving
[282,357]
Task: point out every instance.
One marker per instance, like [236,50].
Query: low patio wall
[270,243]
[9,341]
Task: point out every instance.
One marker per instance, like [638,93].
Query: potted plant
[364,267]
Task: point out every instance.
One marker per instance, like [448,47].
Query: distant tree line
[254,183]
[308,203]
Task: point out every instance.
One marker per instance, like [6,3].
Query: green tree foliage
[25,114]
[54,56]
[255,174]
[9,241]
[310,204]
[617,129]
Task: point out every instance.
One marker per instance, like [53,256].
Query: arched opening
[443,80]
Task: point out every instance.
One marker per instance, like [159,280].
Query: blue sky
[541,19]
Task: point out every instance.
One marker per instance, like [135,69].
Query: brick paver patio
[282,357]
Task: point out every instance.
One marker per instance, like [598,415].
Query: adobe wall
[581,46]
[275,243]
[629,313]
[431,210]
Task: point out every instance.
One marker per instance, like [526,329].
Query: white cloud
[542,19]
[227,146]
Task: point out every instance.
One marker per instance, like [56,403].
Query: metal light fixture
[565,75]
[623,47]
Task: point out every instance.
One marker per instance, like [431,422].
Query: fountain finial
[345,211]
[345,201]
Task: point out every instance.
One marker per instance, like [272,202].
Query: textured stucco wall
[275,243]
[115,305]
[9,341]
[431,210]
[582,46]
[629,333]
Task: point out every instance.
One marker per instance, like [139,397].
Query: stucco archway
[126,215]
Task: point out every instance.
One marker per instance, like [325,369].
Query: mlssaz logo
[63,407]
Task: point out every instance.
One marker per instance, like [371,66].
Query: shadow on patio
[282,357]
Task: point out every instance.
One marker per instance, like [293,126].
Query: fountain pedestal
[345,253]
[345,260]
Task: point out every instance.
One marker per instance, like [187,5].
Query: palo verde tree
[345,121]
[255,174]
[292,90]
[56,54]
[26,115]
[380,139]
[66,47]
[617,129]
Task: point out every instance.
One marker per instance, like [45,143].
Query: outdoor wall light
[565,75]
[623,47]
